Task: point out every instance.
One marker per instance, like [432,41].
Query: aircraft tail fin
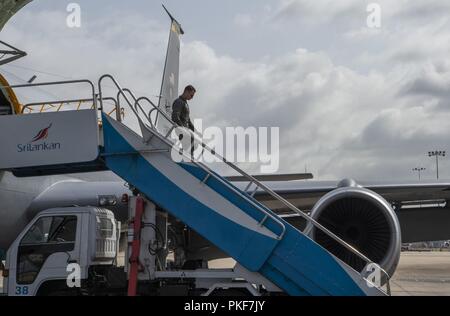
[169,86]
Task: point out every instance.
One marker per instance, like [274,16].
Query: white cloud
[338,122]
[318,11]
[410,32]
[100,46]
[133,55]
[327,11]
[364,33]
[243,20]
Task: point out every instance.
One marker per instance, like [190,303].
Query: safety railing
[137,106]
[60,105]
[56,83]
[57,105]
[210,173]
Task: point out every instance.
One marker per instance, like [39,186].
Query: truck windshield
[47,236]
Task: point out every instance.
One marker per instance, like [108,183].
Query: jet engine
[363,219]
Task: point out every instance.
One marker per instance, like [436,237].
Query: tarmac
[418,274]
[422,274]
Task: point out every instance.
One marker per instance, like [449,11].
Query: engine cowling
[363,219]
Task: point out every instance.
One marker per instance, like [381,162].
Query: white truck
[60,249]
[74,251]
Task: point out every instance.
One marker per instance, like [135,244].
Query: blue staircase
[228,217]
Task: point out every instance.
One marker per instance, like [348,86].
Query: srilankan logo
[42,135]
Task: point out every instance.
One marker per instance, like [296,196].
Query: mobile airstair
[229,217]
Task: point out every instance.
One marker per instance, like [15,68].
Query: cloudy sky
[350,101]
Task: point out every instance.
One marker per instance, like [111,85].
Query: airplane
[374,217]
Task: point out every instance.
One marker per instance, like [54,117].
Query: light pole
[419,169]
[436,154]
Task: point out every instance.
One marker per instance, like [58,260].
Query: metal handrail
[253,180]
[119,93]
[243,173]
[270,191]
[54,83]
[204,167]
[62,102]
[256,182]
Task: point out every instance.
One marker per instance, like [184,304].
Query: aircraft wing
[304,194]
[422,212]
[272,177]
[420,219]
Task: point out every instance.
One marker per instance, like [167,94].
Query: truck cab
[59,249]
